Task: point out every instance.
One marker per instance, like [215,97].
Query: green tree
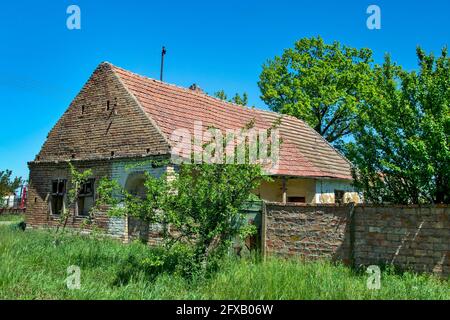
[200,203]
[8,184]
[401,140]
[77,179]
[221,95]
[322,84]
[237,99]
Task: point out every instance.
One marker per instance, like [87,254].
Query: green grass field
[32,267]
[11,218]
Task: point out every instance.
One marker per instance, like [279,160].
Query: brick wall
[409,237]
[103,118]
[39,193]
[38,213]
[412,237]
[103,129]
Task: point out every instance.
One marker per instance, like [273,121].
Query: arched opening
[135,185]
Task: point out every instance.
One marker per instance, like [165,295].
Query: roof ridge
[207,105]
[257,109]
[188,90]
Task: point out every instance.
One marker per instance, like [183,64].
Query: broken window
[339,196]
[85,198]
[296,199]
[58,193]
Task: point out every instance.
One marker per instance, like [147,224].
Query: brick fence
[12,211]
[410,237]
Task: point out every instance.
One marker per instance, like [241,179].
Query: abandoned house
[120,118]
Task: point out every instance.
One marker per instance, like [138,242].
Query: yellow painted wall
[302,188]
[272,191]
[314,191]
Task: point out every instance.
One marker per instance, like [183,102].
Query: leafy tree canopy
[322,84]
[401,139]
[237,99]
[8,184]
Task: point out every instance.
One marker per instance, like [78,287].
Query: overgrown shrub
[177,260]
[201,203]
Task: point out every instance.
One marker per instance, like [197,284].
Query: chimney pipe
[163,53]
[194,87]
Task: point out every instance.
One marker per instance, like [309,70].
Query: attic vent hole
[107,105]
[82,109]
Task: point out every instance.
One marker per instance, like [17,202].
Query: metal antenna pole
[163,53]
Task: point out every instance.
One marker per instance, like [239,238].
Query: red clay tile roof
[303,151]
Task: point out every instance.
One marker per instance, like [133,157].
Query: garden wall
[410,237]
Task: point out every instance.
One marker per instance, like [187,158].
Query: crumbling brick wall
[103,121]
[38,213]
[410,237]
[102,128]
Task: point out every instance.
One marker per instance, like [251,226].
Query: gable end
[103,121]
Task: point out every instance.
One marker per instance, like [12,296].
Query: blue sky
[218,45]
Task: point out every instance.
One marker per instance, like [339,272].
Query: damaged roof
[303,152]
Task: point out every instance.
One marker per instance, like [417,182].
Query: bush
[202,202]
[20,226]
[177,260]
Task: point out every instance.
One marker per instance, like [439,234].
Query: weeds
[32,268]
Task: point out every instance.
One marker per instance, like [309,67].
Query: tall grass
[33,267]
[11,217]
[291,279]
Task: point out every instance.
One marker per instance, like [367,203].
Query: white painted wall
[325,191]
[8,201]
[121,171]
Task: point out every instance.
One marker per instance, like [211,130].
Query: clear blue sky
[215,44]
